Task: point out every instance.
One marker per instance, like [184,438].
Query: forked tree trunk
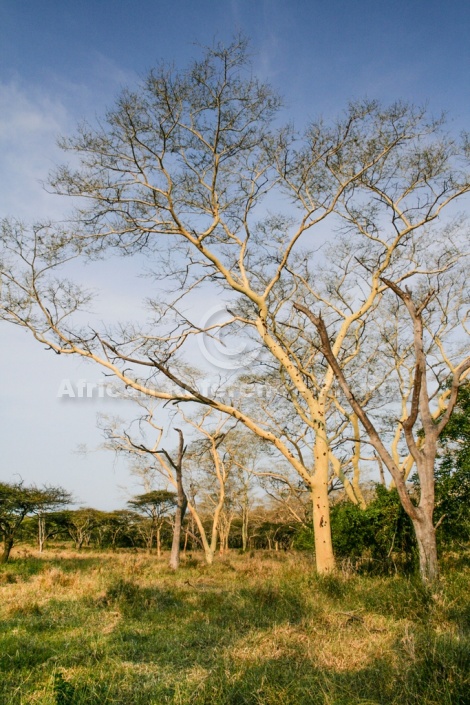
[224,535]
[207,547]
[424,453]
[209,555]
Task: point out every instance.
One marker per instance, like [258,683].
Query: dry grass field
[102,628]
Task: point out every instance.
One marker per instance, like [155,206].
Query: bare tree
[163,463]
[185,169]
[181,500]
[423,330]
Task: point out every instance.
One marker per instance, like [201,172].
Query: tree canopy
[17,501]
[315,240]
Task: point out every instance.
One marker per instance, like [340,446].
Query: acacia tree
[184,169]
[246,454]
[420,313]
[166,464]
[120,524]
[18,501]
[209,457]
[176,462]
[81,523]
[204,457]
[155,505]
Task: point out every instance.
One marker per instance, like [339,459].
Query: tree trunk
[179,518]
[7,546]
[225,527]
[427,547]
[149,542]
[324,557]
[181,505]
[227,537]
[208,548]
[245,520]
[41,532]
[159,542]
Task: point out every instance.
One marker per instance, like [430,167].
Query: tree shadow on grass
[438,675]
[184,628]
[179,628]
[163,636]
[23,568]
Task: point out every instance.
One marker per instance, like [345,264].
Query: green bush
[379,537]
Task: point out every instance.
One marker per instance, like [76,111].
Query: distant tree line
[377,535]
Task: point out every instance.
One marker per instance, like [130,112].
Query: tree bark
[245,519]
[159,541]
[424,457]
[41,532]
[427,547]
[7,546]
[324,557]
[181,504]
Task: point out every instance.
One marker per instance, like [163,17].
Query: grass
[122,629]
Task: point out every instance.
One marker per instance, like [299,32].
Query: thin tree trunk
[227,536]
[41,532]
[356,463]
[175,546]
[245,519]
[159,541]
[149,542]
[181,504]
[208,548]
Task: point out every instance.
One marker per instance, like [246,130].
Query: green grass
[123,629]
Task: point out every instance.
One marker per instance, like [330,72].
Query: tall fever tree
[192,169]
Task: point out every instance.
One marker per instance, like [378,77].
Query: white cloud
[30,122]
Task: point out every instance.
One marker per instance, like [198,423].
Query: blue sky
[60,62]
[317,53]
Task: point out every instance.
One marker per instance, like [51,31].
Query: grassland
[262,630]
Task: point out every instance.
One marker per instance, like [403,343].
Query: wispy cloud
[30,122]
